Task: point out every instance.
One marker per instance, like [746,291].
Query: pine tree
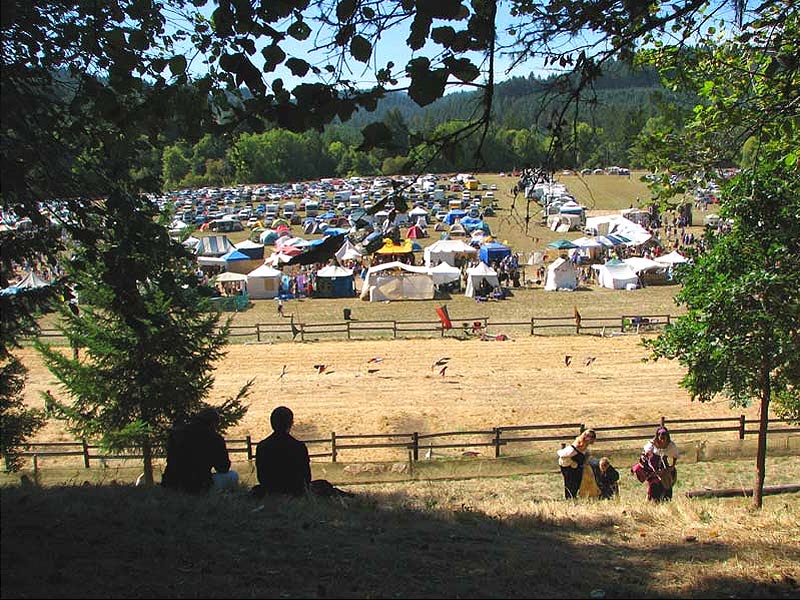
[148,341]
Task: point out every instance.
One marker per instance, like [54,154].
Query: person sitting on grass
[282,462]
[192,451]
[283,465]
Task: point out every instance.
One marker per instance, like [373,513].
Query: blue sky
[391,47]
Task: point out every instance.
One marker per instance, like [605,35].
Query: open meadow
[488,537]
[520,381]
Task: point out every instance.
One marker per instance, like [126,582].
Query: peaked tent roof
[265,271]
[235,255]
[214,245]
[31,281]
[228,276]
[561,244]
[673,258]
[561,275]
[348,251]
[334,271]
[445,273]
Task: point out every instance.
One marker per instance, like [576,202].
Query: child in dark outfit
[607,479]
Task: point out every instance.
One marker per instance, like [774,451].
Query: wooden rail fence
[358,329]
[414,442]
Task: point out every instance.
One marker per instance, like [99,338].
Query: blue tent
[493,251]
[470,223]
[454,215]
[336,231]
[335,282]
[235,255]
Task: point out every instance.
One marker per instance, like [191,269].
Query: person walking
[659,457]
[571,459]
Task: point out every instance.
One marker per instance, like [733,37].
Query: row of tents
[615,274]
[385,282]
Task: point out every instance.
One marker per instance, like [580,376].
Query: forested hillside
[604,130]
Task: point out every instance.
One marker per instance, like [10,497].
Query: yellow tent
[390,247]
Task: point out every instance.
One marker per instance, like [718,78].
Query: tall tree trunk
[761,454]
[147,457]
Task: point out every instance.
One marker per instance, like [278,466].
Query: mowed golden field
[370,387]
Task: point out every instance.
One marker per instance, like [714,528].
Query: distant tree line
[604,131]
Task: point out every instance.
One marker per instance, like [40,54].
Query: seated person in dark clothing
[484,288]
[192,451]
[282,462]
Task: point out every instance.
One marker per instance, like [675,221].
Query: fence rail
[349,329]
[411,443]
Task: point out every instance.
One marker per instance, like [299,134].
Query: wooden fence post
[348,329]
[258,332]
[741,426]
[663,421]
[533,326]
[249,448]
[415,444]
[394,329]
[85,453]
[497,434]
[333,446]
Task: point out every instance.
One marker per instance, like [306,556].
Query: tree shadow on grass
[119,541]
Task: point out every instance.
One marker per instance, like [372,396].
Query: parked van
[289,210]
[312,208]
[271,210]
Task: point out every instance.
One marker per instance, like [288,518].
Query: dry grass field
[521,381]
[487,384]
[493,537]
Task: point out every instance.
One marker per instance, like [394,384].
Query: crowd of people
[198,462]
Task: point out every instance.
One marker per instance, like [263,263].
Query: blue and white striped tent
[214,245]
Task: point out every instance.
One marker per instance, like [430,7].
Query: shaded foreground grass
[495,538]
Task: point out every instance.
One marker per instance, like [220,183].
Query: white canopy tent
[640,264]
[448,251]
[397,281]
[477,274]
[264,282]
[673,258]
[228,276]
[616,275]
[618,225]
[444,273]
[561,275]
[348,251]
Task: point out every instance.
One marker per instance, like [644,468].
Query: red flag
[444,317]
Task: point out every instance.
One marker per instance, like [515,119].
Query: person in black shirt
[192,451]
[282,462]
